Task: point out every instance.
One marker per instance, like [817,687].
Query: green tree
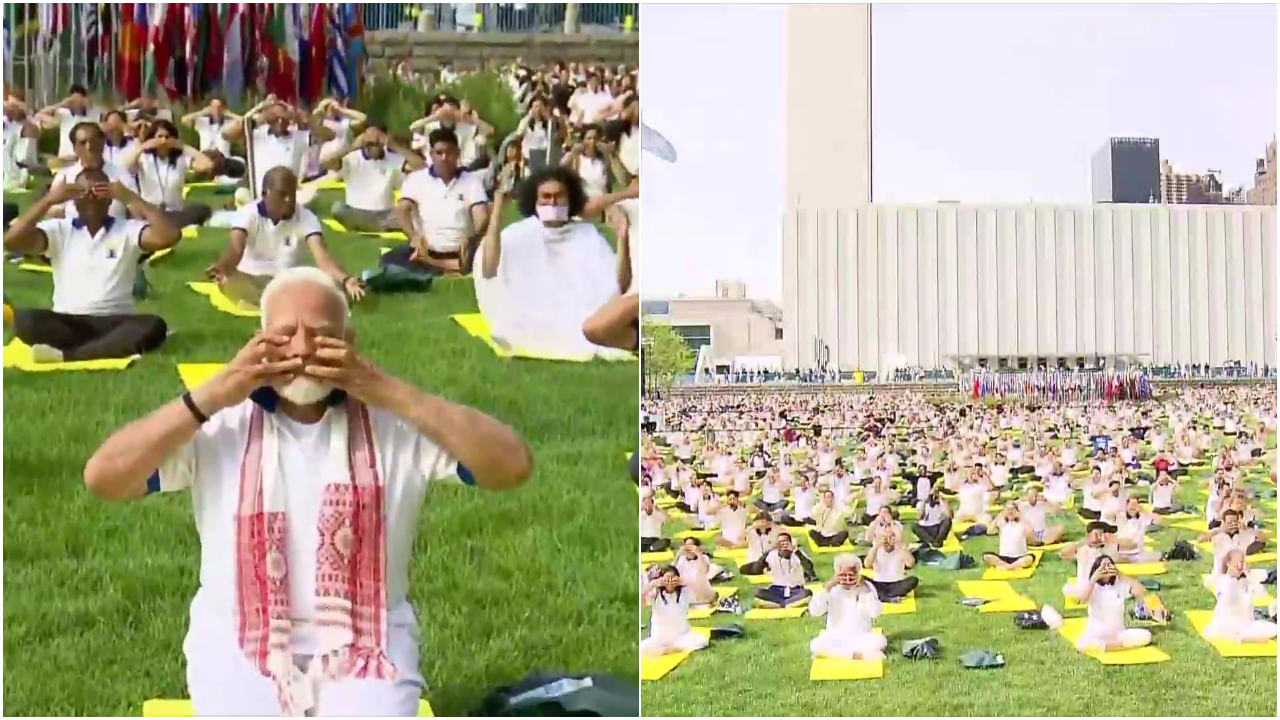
[666,355]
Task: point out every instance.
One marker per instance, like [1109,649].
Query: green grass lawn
[767,671]
[543,578]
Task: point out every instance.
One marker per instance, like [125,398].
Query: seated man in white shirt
[21,136]
[65,115]
[786,572]
[308,466]
[521,288]
[282,137]
[443,210]
[890,561]
[88,143]
[267,238]
[651,522]
[371,175]
[94,258]
[209,122]
[732,518]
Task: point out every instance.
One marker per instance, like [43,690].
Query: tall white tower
[828,146]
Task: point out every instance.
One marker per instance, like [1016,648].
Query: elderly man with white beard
[308,466]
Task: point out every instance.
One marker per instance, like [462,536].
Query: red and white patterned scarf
[351,597]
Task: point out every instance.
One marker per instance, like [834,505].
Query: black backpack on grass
[547,695]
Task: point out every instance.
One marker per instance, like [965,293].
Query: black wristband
[200,417]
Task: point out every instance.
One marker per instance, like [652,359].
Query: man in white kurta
[307,467]
[851,606]
[540,278]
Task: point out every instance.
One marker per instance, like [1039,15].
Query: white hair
[848,560]
[303,274]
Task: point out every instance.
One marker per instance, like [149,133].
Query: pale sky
[996,103]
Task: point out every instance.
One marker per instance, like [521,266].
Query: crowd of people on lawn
[306,462]
[573,160]
[772,479]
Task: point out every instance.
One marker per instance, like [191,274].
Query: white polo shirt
[371,184]
[113,172]
[160,181]
[66,121]
[210,133]
[273,247]
[93,274]
[270,151]
[114,154]
[444,209]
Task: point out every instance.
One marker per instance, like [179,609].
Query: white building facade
[878,286]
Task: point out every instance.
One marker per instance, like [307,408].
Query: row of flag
[299,52]
[1061,385]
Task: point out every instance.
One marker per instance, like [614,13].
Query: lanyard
[162,179]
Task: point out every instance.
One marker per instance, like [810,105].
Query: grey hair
[303,274]
[848,560]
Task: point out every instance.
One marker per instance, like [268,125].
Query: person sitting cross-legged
[372,168]
[95,258]
[786,575]
[308,466]
[851,604]
[890,561]
[444,211]
[267,239]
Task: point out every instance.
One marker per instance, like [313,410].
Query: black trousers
[90,337]
[759,567]
[933,535]
[400,254]
[1089,514]
[894,589]
[778,595]
[654,544]
[829,540]
[771,507]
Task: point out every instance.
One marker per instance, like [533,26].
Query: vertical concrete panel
[930,283]
[1028,290]
[967,255]
[790,290]
[908,285]
[1007,279]
[1122,240]
[948,285]
[889,340]
[1143,316]
[988,278]
[868,288]
[1162,292]
[1046,257]
[1104,258]
[1201,311]
[1236,281]
[1267,221]
[1252,258]
[847,244]
[1086,285]
[1180,283]
[1065,280]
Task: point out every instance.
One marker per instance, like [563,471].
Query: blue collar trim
[107,222]
[262,210]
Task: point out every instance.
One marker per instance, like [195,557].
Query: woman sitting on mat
[732,517]
[804,499]
[1058,489]
[1114,501]
[851,605]
[878,496]
[697,571]
[772,491]
[974,495]
[935,521]
[884,522]
[1233,535]
[762,537]
[669,629]
[651,521]
[830,522]
[1034,511]
[1014,535]
[1095,488]
[1099,540]
[1236,592]
[1163,492]
[1105,592]
[786,573]
[1132,533]
[890,562]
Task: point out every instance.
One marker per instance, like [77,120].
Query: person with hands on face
[161,163]
[308,466]
[94,258]
[65,115]
[890,561]
[88,143]
[786,576]
[1015,534]
[372,169]
[267,239]
[669,629]
[1104,593]
[1236,591]
[851,605]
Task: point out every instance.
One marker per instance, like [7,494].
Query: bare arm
[235,130]
[190,118]
[493,238]
[324,260]
[159,233]
[596,206]
[231,257]
[407,213]
[131,156]
[412,158]
[23,236]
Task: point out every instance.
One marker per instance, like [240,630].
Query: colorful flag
[233,65]
[355,48]
[317,55]
[337,53]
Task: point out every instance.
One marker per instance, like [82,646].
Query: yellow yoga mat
[656,668]
[1018,603]
[656,557]
[35,267]
[817,549]
[1226,648]
[182,708]
[1052,546]
[476,327]
[329,184]
[700,534]
[986,589]
[1196,525]
[792,611]
[906,607]
[1262,557]
[997,574]
[764,579]
[221,302]
[336,226]
[951,544]
[824,668]
[702,613]
[17,355]
[195,374]
[738,555]
[1072,628]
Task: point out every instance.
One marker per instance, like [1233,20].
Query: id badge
[786,593]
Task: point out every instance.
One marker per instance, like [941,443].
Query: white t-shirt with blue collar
[93,274]
[273,246]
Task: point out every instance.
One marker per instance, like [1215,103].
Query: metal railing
[499,17]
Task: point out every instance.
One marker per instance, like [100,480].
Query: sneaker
[45,354]
[729,605]
[1051,617]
